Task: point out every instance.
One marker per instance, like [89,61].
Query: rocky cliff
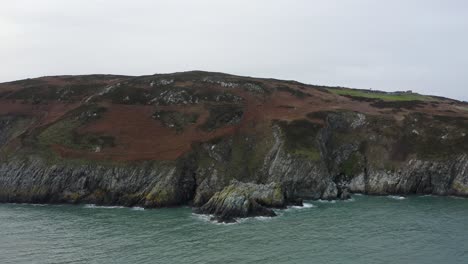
[230,146]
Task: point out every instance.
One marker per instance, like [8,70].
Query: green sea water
[417,229]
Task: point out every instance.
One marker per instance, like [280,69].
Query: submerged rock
[239,200]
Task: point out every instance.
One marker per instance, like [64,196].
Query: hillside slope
[212,139]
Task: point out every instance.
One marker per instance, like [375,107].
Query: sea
[365,229]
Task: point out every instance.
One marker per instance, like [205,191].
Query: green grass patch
[382,95]
[58,133]
[63,133]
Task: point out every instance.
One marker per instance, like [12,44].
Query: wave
[440,196]
[32,204]
[326,201]
[203,217]
[209,219]
[263,218]
[36,204]
[335,201]
[426,195]
[304,206]
[93,206]
[396,197]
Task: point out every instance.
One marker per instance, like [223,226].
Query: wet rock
[240,200]
[296,202]
[331,192]
[344,194]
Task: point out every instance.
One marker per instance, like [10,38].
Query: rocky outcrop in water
[239,200]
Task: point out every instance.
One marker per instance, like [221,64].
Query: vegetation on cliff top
[396,96]
[212,105]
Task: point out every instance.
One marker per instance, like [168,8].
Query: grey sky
[388,45]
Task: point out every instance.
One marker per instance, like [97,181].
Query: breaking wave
[93,206]
[396,197]
[326,201]
[304,206]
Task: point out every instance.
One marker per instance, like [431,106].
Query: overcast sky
[389,45]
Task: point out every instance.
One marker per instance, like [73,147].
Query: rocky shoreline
[203,178]
[226,145]
[228,211]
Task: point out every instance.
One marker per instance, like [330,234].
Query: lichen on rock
[239,200]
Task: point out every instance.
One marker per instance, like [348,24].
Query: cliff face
[232,146]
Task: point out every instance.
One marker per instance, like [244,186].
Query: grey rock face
[417,176]
[359,159]
[244,200]
[146,185]
[299,177]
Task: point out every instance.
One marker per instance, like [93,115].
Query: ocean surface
[366,229]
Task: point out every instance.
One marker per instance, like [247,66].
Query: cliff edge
[228,145]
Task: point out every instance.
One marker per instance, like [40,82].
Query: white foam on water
[204,218]
[307,205]
[304,206]
[241,220]
[280,212]
[426,195]
[208,219]
[136,208]
[396,197]
[358,194]
[440,196]
[31,204]
[263,218]
[349,200]
[226,224]
[93,206]
[326,201]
